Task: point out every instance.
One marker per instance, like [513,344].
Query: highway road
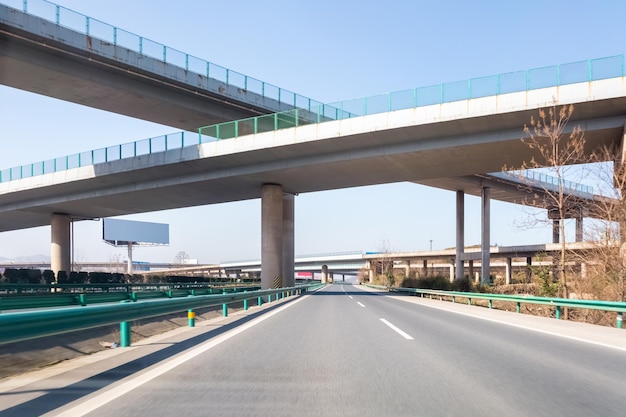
[342,351]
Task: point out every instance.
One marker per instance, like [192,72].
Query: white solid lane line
[359,303]
[400,332]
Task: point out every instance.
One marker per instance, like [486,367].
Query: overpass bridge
[447,136]
[424,263]
[83,60]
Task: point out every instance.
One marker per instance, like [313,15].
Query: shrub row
[36,276]
[439,282]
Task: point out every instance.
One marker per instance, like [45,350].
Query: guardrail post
[124,331]
[191,318]
[469,301]
[259,301]
[558,312]
[490,303]
[245,302]
[82,300]
[620,317]
[453,299]
[124,334]
[224,307]
[518,308]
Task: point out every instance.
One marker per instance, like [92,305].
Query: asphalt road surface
[343,351]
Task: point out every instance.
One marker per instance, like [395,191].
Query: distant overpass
[351,263]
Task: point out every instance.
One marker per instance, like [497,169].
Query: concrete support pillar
[271,235]
[485,235]
[288,273]
[460,233]
[325,274]
[555,231]
[579,229]
[331,275]
[407,268]
[129,266]
[60,243]
[470,267]
[425,267]
[370,275]
[451,272]
[509,270]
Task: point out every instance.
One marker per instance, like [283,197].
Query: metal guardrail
[25,325]
[65,295]
[558,303]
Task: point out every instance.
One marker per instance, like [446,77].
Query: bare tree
[555,146]
[181,257]
[605,267]
[383,265]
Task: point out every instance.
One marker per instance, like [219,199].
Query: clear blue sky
[329,51]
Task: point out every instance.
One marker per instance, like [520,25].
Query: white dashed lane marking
[400,332]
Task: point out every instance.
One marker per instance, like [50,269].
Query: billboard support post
[129,269]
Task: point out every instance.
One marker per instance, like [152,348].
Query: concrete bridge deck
[424,144]
[44,51]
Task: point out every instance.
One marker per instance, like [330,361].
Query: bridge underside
[214,173]
[55,61]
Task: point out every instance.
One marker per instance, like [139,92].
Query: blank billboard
[122,232]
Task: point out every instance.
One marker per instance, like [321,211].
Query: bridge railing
[119,37]
[25,325]
[531,177]
[494,85]
[556,75]
[558,303]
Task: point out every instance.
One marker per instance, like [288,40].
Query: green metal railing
[557,75]
[25,325]
[558,303]
[115,36]
[494,85]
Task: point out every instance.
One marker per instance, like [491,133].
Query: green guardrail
[558,303]
[25,325]
[64,295]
